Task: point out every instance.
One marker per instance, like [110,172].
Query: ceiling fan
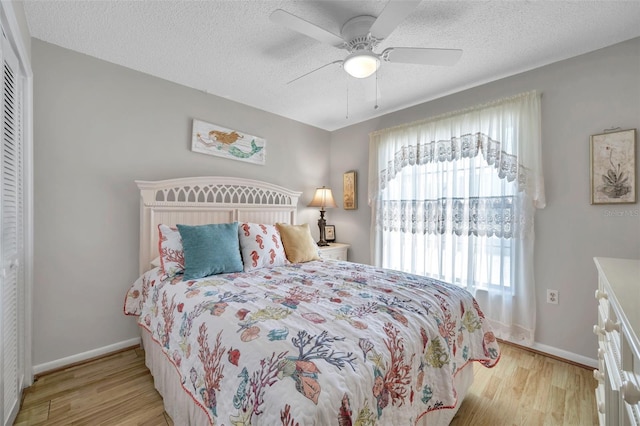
[360,36]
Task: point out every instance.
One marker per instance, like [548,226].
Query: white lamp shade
[361,64]
[323,198]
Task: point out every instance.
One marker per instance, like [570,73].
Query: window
[454,199]
[437,194]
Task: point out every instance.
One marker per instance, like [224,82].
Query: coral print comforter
[323,342]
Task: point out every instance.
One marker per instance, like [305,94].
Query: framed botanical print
[613,167]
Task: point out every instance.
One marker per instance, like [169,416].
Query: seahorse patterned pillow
[171,251]
[261,246]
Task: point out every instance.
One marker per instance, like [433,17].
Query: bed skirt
[183,410]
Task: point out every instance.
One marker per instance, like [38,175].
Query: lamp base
[321,224]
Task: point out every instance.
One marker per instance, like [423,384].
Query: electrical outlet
[552,296]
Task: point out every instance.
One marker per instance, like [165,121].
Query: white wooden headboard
[210,199]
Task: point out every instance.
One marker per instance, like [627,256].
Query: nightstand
[337,251]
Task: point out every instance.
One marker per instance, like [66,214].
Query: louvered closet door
[12,235]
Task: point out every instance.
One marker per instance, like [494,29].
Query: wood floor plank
[90,398]
[34,414]
[61,382]
[524,388]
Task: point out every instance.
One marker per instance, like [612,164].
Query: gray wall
[580,97]
[98,127]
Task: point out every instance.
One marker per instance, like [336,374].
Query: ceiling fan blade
[297,24]
[392,15]
[416,55]
[312,71]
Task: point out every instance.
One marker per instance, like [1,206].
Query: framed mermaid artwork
[219,141]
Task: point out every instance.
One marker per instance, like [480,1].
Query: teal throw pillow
[210,249]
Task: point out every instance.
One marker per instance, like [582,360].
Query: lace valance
[507,132]
[465,146]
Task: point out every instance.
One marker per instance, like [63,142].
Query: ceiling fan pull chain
[376,105]
[347,117]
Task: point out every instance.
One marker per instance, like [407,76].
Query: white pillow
[260,246]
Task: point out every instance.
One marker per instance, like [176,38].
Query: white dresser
[618,328]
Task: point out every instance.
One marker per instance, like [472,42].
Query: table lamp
[323,199]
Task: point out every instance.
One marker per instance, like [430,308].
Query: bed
[311,342]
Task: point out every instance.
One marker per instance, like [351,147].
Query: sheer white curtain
[453,197]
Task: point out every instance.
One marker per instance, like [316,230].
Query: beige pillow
[298,242]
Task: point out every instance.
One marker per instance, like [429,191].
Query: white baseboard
[63,362]
[570,356]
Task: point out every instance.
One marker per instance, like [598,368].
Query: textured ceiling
[232,49]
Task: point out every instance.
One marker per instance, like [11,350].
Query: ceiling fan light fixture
[361,64]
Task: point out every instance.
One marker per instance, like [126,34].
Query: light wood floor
[526,388]
[523,389]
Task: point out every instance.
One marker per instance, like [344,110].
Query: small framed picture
[330,233]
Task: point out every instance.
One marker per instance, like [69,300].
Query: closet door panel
[11,242]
